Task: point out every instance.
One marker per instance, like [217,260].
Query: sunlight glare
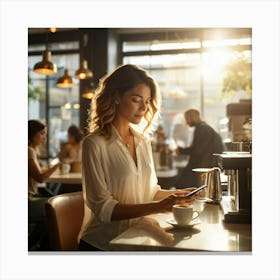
[213,63]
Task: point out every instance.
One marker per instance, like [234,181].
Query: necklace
[127,141]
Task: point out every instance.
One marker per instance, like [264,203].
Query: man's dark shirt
[206,142]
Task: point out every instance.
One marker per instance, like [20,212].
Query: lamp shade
[45,67]
[88,93]
[83,72]
[65,81]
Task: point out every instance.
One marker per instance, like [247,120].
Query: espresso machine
[240,116]
[237,203]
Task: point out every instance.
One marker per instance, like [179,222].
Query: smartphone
[196,190]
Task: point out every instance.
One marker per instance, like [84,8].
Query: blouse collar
[115,135]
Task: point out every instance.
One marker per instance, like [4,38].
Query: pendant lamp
[65,81]
[88,93]
[83,72]
[45,67]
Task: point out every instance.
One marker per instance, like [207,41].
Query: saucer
[191,224]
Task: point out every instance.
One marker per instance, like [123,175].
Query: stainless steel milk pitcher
[214,190]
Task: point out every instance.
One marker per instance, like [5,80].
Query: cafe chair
[64,214]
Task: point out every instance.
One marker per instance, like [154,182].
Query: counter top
[153,233]
[234,160]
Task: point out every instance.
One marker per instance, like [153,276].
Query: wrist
[155,207]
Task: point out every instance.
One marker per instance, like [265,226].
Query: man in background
[206,142]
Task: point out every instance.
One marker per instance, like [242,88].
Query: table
[153,233]
[70,178]
[167,178]
[76,178]
[59,183]
[167,173]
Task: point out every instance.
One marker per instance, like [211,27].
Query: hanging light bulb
[83,72]
[88,93]
[53,29]
[45,67]
[65,81]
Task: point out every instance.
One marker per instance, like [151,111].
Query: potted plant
[238,77]
[34,92]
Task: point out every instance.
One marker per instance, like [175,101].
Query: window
[57,107]
[189,70]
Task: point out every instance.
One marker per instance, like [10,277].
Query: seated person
[36,202]
[71,151]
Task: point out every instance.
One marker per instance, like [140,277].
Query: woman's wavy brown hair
[104,108]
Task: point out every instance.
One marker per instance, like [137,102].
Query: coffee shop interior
[209,69]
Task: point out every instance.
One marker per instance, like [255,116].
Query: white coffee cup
[65,168]
[184,215]
[198,205]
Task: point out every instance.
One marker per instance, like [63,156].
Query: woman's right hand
[166,204]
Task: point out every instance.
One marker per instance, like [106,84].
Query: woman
[37,132]
[119,180]
[36,202]
[71,154]
[72,151]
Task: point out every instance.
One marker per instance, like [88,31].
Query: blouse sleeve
[98,197]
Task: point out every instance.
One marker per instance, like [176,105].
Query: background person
[36,174]
[206,141]
[119,180]
[180,131]
[37,132]
[71,152]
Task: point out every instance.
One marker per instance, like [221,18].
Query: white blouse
[110,176]
[32,183]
